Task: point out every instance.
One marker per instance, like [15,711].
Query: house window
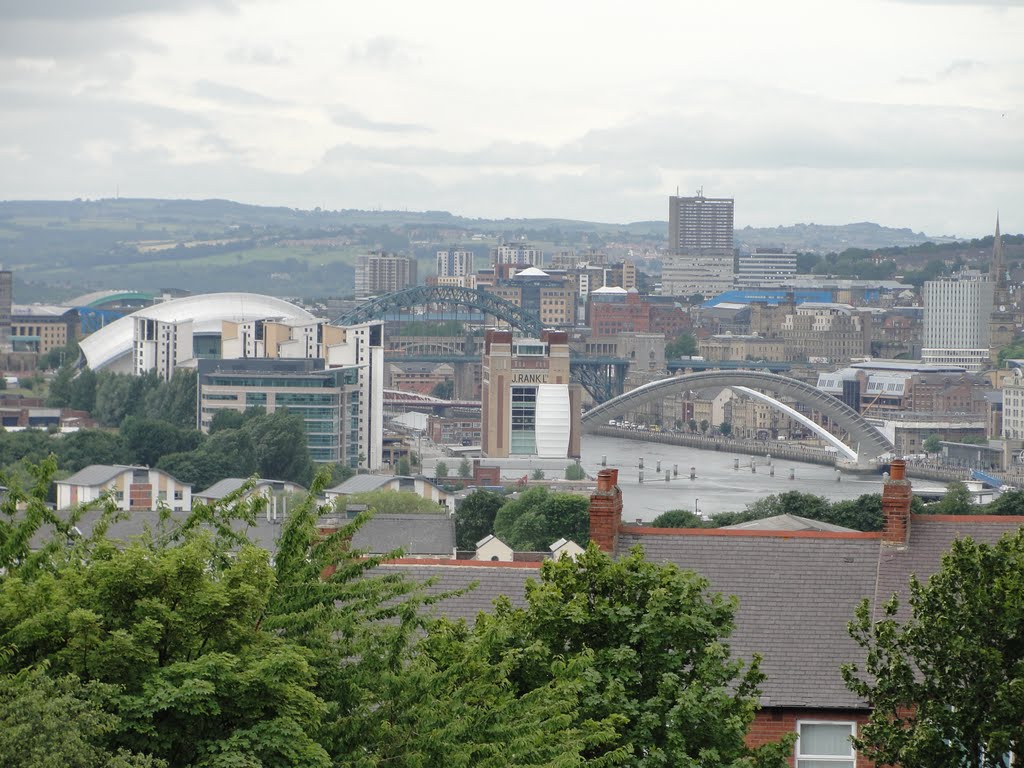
[824,745]
[179,495]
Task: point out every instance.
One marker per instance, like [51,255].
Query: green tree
[725,428]
[575,472]
[655,638]
[386,502]
[465,469]
[149,440]
[228,453]
[678,518]
[77,450]
[227,418]
[692,424]
[279,442]
[944,681]
[537,474]
[684,344]
[862,514]
[59,393]
[173,401]
[403,468]
[538,517]
[1009,503]
[444,389]
[113,398]
[956,501]
[704,425]
[931,444]
[61,357]
[187,647]
[395,699]
[46,721]
[474,517]
[441,470]
[82,392]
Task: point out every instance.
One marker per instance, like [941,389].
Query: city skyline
[901,112]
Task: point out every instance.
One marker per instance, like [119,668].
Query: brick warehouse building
[797,591]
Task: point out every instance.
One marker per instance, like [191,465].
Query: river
[717,487]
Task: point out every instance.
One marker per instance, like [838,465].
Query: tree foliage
[683,344]
[678,518]
[945,681]
[957,500]
[863,513]
[474,517]
[539,517]
[388,502]
[189,647]
[656,640]
[444,389]
[575,472]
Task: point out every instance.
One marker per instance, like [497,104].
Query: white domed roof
[531,272]
[206,311]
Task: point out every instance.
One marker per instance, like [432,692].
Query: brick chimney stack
[896,496]
[606,510]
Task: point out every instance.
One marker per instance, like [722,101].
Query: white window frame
[849,760]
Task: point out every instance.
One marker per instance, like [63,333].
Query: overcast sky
[906,113]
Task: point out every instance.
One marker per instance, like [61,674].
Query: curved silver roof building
[206,311]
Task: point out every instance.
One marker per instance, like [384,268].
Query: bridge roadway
[865,443]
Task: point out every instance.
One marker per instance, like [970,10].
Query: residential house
[797,591]
[130,487]
[418,485]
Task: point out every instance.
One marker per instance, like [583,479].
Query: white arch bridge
[865,445]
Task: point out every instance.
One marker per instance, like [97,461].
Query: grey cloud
[71,10]
[231,94]
[261,55]
[36,39]
[977,3]
[384,51]
[221,145]
[836,135]
[499,154]
[921,199]
[959,67]
[350,118]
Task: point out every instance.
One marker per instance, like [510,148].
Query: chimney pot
[896,499]
[606,510]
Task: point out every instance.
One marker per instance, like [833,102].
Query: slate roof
[796,595]
[364,483]
[930,537]
[489,580]
[222,488]
[361,484]
[786,523]
[98,474]
[94,474]
[135,523]
[416,535]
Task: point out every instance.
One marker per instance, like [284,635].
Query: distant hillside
[58,249]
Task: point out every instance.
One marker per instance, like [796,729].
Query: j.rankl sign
[529,378]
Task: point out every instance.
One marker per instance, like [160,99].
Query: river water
[717,487]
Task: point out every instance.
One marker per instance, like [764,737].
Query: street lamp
[695,506]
